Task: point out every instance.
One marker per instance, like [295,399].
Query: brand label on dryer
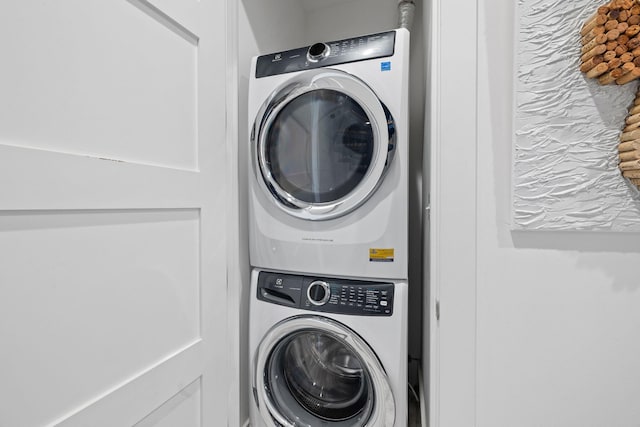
[381,255]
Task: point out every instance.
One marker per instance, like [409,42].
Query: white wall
[350,18]
[554,316]
[558,317]
[451,163]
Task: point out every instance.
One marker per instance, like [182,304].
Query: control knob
[318,51]
[318,292]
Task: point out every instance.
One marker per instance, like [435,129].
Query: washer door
[313,371]
[322,144]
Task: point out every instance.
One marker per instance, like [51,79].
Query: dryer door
[313,371]
[322,144]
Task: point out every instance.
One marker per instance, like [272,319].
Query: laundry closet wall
[536,328]
[273,25]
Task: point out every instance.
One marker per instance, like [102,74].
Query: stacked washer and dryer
[328,203]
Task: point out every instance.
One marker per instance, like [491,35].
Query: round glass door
[323,145]
[320,146]
[313,371]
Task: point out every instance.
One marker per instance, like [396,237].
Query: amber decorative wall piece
[629,147]
[611,43]
[611,53]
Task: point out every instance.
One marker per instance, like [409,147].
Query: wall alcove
[275,25]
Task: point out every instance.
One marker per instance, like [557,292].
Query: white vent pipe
[406,9]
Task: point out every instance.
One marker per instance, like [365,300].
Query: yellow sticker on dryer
[381,255]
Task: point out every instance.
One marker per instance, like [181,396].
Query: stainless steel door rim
[383,141]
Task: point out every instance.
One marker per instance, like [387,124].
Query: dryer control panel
[318,55]
[327,295]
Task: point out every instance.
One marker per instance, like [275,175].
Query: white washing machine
[329,158]
[326,351]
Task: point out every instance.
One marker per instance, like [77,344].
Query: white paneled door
[112,213]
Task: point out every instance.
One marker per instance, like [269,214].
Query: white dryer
[329,158]
[327,352]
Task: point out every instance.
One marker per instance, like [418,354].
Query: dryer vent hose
[406,9]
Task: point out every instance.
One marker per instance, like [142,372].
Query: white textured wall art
[567,127]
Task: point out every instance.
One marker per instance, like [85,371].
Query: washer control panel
[328,295]
[317,55]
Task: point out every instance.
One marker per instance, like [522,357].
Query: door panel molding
[99,79]
[50,180]
[142,394]
[183,11]
[184,408]
[166,20]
